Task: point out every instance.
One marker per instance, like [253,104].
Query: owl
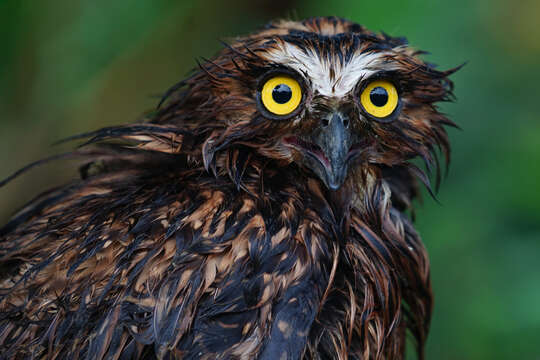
[262,211]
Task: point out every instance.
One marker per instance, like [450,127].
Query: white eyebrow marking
[346,75]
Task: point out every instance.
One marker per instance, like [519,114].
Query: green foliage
[67,67]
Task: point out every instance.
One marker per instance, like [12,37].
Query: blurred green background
[71,66]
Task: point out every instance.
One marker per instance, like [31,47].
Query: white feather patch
[346,75]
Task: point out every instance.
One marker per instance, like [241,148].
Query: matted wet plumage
[217,229]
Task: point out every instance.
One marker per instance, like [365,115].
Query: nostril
[346,123]
[325,122]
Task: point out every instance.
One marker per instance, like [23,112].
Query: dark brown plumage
[219,229]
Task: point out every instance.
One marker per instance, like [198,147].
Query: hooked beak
[327,152]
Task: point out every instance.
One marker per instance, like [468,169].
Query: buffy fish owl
[262,211]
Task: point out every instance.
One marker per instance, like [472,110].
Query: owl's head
[324,95]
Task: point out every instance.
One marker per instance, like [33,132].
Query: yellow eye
[281,95]
[379,98]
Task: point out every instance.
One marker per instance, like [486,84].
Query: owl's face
[324,94]
[334,106]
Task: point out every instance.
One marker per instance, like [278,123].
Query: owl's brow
[330,75]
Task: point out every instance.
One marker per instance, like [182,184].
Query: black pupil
[378,96]
[281,94]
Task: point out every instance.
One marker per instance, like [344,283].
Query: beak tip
[334,187]
[334,183]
